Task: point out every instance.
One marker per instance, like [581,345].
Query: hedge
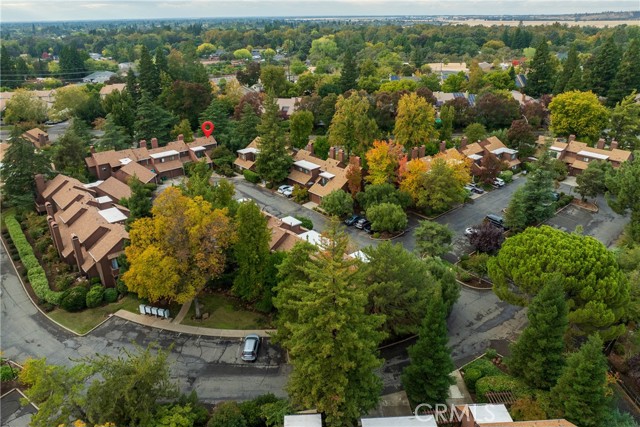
[251,176]
[74,299]
[35,272]
[110,295]
[498,383]
[95,296]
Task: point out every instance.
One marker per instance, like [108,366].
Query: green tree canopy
[387,217]
[625,123]
[337,203]
[153,121]
[274,161]
[541,76]
[300,125]
[351,127]
[415,122]
[578,113]
[597,293]
[433,239]
[624,192]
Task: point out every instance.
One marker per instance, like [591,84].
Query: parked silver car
[251,344]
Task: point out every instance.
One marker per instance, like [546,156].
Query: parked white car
[286,190]
[498,182]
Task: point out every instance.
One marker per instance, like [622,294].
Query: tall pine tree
[149,76]
[246,129]
[349,72]
[153,121]
[568,69]
[582,391]
[115,137]
[330,338]
[602,67]
[274,161]
[218,113]
[427,379]
[541,76]
[628,76]
[538,356]
[251,253]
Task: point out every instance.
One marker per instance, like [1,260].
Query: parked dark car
[361,223]
[477,190]
[352,220]
[367,228]
[496,220]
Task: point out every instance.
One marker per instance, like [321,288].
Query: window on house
[114,264]
[586,159]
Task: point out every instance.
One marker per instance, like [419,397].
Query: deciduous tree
[447,116]
[351,126]
[337,203]
[521,137]
[538,355]
[441,190]
[383,160]
[387,217]
[330,338]
[591,181]
[415,122]
[183,128]
[300,125]
[382,193]
[496,110]
[487,238]
[354,177]
[174,253]
[578,113]
[69,154]
[475,132]
[597,293]
[411,176]
[24,106]
[187,100]
[274,80]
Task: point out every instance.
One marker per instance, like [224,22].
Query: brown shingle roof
[106,90]
[474,148]
[142,173]
[168,166]
[329,165]
[115,189]
[244,164]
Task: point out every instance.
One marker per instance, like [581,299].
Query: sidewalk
[167,325]
[183,312]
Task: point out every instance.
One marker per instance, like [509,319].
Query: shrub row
[35,272]
[251,176]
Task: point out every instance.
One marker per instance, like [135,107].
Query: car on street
[286,190]
[498,182]
[367,228]
[470,231]
[473,188]
[496,220]
[361,223]
[250,346]
[352,220]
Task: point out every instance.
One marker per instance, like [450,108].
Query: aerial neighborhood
[259,222]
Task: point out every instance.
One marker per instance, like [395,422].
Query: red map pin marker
[207,129]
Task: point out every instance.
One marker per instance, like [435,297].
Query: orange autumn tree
[354,176]
[174,253]
[383,161]
[411,174]
[460,164]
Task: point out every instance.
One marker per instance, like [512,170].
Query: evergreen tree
[447,115]
[538,197]
[153,121]
[541,76]
[7,68]
[602,67]
[515,216]
[625,123]
[251,253]
[246,129]
[139,204]
[218,113]
[571,64]
[274,161]
[132,86]
[427,378]
[71,63]
[628,76]
[183,128]
[114,137]
[330,338]
[538,356]
[576,82]
[20,164]
[149,76]
[300,127]
[582,391]
[349,73]
[160,60]
[69,153]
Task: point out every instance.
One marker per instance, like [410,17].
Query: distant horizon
[29,11]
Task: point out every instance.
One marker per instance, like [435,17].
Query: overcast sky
[30,10]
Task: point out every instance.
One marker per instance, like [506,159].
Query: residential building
[321,177]
[86,223]
[411,421]
[287,106]
[285,232]
[492,415]
[247,156]
[108,89]
[304,420]
[126,66]
[445,70]
[491,146]
[577,155]
[48,96]
[37,137]
[98,77]
[161,162]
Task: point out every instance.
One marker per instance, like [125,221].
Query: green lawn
[225,313]
[82,322]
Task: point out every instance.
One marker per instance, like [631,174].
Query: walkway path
[183,312]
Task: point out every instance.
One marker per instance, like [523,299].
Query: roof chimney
[309,147]
[143,143]
[600,144]
[357,161]
[341,155]
[154,142]
[443,146]
[77,251]
[92,149]
[463,142]
[414,153]
[55,233]
[332,153]
[40,184]
[422,151]
[572,138]
[49,207]
[614,145]
[43,139]
[181,137]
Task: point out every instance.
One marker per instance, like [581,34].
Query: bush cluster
[110,295]
[74,299]
[251,176]
[35,272]
[95,296]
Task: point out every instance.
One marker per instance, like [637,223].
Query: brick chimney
[600,144]
[40,184]
[143,143]
[154,142]
[614,145]
[92,149]
[77,251]
[414,153]
[357,161]
[463,143]
[49,207]
[181,137]
[422,151]
[332,152]
[43,139]
[55,233]
[443,146]
[309,147]
[341,155]
[572,138]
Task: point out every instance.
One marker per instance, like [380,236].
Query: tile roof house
[287,106]
[37,137]
[108,89]
[285,232]
[86,224]
[577,155]
[321,177]
[160,163]
[247,156]
[98,77]
[477,151]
